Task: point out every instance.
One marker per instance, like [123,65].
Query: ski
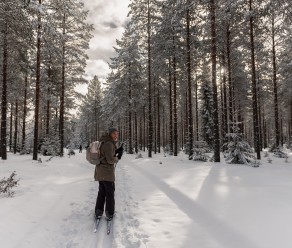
[109,224]
[96,224]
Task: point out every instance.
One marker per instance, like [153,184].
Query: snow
[160,202]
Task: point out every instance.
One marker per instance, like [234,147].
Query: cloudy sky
[108,18]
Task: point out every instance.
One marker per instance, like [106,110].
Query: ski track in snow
[128,232]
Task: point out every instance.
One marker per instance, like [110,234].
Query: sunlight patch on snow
[191,182]
[222,191]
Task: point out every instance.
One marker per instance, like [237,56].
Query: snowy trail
[53,204]
[181,203]
[213,226]
[160,202]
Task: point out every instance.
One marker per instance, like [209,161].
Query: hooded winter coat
[105,171]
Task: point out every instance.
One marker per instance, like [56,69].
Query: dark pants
[106,195]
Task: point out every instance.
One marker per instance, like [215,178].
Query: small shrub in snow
[139,156]
[279,152]
[25,151]
[286,160]
[51,146]
[166,149]
[199,151]
[71,152]
[266,154]
[256,163]
[238,151]
[272,147]
[269,160]
[7,185]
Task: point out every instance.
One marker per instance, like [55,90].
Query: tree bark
[170,110]
[225,111]
[230,85]
[254,87]
[158,122]
[48,105]
[24,114]
[290,123]
[62,97]
[136,132]
[130,117]
[175,134]
[141,134]
[154,117]
[150,124]
[197,109]
[4,93]
[189,72]
[276,110]
[11,125]
[214,84]
[37,89]
[144,128]
[15,127]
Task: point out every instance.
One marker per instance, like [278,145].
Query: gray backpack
[93,153]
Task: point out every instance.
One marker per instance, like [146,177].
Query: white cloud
[108,18]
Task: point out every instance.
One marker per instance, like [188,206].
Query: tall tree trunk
[62,97]
[158,122]
[136,132]
[144,128]
[290,137]
[175,134]
[197,108]
[150,124]
[276,111]
[213,57]
[4,93]
[281,132]
[48,115]
[141,134]
[170,110]
[254,87]
[290,126]
[186,121]
[260,122]
[37,89]
[15,127]
[24,114]
[130,118]
[154,117]
[230,84]
[189,72]
[265,144]
[225,111]
[95,120]
[48,108]
[10,129]
[164,132]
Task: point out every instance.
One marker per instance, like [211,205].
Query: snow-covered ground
[160,202]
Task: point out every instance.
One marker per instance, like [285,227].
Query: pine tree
[238,151]
[207,109]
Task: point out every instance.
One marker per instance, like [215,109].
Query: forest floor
[160,202]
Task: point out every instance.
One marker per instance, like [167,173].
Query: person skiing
[105,173]
[80,149]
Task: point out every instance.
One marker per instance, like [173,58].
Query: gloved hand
[119,152]
[120,149]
